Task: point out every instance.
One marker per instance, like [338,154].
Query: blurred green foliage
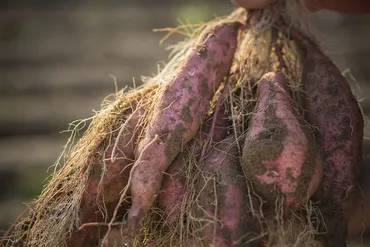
[193,14]
[31,181]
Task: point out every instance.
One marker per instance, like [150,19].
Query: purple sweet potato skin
[113,182]
[173,189]
[179,112]
[332,107]
[334,111]
[280,156]
[233,209]
[221,128]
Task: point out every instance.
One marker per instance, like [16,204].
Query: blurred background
[56,58]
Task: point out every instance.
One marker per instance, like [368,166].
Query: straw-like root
[87,187]
[107,181]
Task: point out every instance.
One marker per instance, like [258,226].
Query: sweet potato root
[280,156]
[106,183]
[173,189]
[223,200]
[180,111]
[173,186]
[333,109]
[219,127]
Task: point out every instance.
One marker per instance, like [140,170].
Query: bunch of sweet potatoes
[180,109]
[285,157]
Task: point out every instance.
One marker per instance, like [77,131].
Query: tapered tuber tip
[272,78]
[133,219]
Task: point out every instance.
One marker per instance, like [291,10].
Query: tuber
[179,112]
[172,192]
[224,202]
[280,156]
[332,108]
[105,184]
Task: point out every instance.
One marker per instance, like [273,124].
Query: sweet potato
[173,189]
[173,185]
[180,111]
[105,188]
[223,199]
[280,156]
[359,219]
[221,125]
[333,110]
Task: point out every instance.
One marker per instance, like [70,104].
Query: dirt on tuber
[332,108]
[181,108]
[224,203]
[280,156]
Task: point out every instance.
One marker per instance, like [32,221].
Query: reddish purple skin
[173,186]
[233,207]
[114,181]
[333,109]
[287,166]
[173,189]
[180,111]
[222,125]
